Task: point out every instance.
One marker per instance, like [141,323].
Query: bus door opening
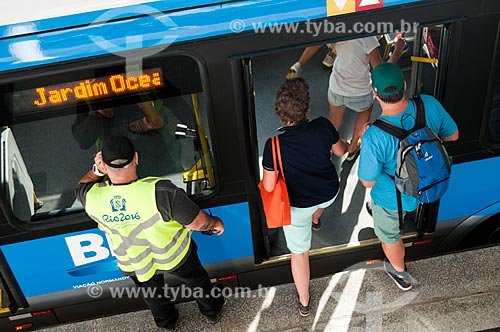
[346,223]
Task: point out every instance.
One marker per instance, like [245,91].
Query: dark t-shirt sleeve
[174,203]
[81,191]
[267,156]
[330,134]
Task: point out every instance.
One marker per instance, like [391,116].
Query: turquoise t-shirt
[379,151]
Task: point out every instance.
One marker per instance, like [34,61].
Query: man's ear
[136,157]
[376,95]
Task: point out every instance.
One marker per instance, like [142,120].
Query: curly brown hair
[292,101]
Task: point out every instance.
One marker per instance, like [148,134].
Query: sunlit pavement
[457,292]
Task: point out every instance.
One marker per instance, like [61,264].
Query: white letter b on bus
[86,248]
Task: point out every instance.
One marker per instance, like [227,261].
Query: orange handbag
[276,203]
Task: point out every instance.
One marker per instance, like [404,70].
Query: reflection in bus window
[57,149]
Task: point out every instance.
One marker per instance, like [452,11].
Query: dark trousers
[192,274]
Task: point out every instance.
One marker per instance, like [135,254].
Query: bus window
[59,122]
[15,179]
[427,58]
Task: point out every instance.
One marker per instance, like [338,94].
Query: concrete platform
[456,292]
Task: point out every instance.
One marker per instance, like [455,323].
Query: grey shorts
[357,104]
[386,224]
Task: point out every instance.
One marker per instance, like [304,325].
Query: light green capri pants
[298,235]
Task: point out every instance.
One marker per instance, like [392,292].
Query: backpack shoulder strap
[420,112]
[389,128]
[399,133]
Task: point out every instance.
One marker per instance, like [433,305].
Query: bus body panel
[93,40]
[76,14]
[77,260]
[62,15]
[468,183]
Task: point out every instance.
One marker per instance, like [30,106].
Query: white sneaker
[294,71]
[329,59]
[352,155]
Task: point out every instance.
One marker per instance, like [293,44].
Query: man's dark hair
[392,99]
[292,101]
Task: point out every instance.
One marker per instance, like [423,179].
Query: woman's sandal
[316,227]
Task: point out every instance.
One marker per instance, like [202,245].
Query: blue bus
[191,83]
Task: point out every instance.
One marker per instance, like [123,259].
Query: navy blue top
[310,176]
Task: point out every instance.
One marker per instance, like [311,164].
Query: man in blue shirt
[378,157]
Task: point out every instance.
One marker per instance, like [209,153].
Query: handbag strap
[278,153]
[273,144]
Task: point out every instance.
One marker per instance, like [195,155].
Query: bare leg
[150,112]
[150,121]
[301,275]
[308,53]
[336,115]
[316,215]
[361,119]
[395,253]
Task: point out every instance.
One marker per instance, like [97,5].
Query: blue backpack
[423,165]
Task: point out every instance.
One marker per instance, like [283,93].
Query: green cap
[386,75]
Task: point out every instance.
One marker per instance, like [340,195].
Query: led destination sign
[92,89]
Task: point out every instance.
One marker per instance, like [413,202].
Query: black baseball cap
[117,151]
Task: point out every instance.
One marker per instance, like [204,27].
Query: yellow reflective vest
[142,241]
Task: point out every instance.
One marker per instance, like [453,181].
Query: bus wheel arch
[484,234]
[479,229]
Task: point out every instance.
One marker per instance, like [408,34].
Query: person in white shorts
[350,82]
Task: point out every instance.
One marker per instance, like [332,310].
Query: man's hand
[99,162]
[218,227]
[399,45]
[90,176]
[399,41]
[206,222]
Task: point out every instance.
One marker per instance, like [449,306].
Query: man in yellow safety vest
[148,221]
